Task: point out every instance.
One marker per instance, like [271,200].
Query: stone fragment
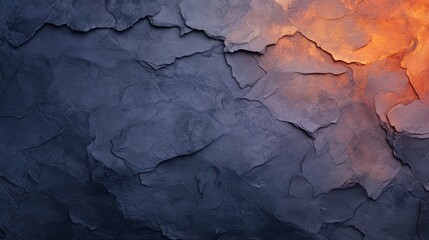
[20,20]
[356,31]
[335,232]
[324,173]
[340,205]
[165,46]
[415,153]
[415,62]
[308,101]
[358,151]
[169,16]
[300,187]
[243,25]
[411,119]
[298,54]
[378,219]
[245,68]
[128,12]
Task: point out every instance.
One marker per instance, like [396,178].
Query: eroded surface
[201,119]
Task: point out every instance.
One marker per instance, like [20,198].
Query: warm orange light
[379,52]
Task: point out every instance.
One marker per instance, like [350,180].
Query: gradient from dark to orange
[384,42]
[366,56]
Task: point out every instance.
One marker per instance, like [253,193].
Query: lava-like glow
[368,31]
[366,57]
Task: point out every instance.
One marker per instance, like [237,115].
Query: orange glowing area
[339,69]
[365,32]
[354,32]
[383,44]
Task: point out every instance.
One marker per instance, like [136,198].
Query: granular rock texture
[214,119]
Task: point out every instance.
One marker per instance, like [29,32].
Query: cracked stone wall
[214,119]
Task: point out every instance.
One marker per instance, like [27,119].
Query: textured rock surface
[226,119]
